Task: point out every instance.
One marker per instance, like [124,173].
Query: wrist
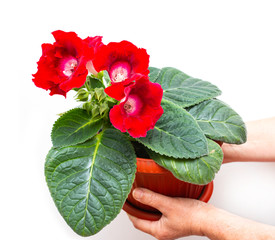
[232,153]
[210,223]
[201,220]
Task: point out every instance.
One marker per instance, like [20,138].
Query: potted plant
[127,110]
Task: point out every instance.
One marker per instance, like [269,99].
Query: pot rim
[147,165]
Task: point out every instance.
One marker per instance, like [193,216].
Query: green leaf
[219,122]
[182,89]
[154,73]
[197,171]
[95,82]
[90,182]
[73,127]
[176,134]
[106,78]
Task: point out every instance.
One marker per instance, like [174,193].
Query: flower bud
[103,108]
[99,94]
[95,110]
[88,107]
[82,95]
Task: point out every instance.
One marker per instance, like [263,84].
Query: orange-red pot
[156,178]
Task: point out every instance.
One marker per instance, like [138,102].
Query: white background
[230,43]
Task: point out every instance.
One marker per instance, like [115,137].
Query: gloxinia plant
[127,109]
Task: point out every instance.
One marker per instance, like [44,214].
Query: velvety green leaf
[219,122]
[197,171]
[73,127]
[154,73]
[182,89]
[95,82]
[90,182]
[176,134]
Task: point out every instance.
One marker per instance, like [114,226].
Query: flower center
[133,105]
[69,66]
[120,71]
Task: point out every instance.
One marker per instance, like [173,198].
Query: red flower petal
[121,60]
[92,45]
[131,124]
[115,91]
[68,42]
[117,118]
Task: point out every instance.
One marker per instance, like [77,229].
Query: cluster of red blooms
[65,64]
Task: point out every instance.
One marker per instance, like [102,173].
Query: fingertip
[137,193]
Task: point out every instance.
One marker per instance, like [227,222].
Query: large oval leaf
[73,127]
[176,134]
[182,89]
[219,122]
[90,182]
[197,171]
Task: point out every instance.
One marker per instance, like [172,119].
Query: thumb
[152,199]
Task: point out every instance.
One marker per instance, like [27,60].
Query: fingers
[155,200]
[143,225]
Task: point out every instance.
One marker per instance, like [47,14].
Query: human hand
[180,216]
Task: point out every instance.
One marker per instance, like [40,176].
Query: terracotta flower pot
[154,177]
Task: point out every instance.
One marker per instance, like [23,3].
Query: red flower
[62,65]
[140,109]
[121,60]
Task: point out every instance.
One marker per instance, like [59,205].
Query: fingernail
[137,193]
[130,216]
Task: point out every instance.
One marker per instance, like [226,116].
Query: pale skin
[184,217]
